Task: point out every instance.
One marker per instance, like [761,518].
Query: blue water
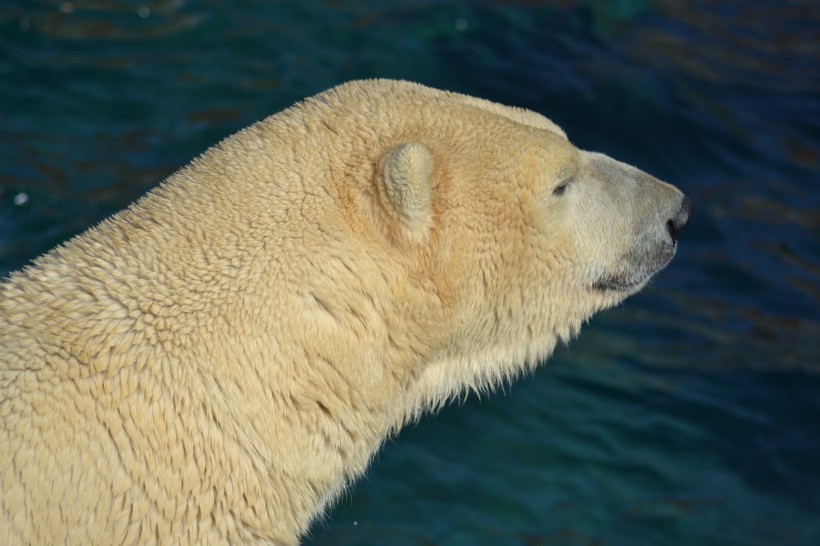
[688,416]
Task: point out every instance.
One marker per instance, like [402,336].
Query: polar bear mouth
[621,283]
[636,277]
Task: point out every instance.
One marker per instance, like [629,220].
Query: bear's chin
[634,279]
[621,283]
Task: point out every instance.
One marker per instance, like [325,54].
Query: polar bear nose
[676,224]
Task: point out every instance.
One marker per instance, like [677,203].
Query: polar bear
[214,364]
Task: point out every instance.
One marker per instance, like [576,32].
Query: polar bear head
[520,235]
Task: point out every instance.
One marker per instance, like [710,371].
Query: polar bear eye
[560,190]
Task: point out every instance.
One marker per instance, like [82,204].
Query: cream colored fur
[217,362]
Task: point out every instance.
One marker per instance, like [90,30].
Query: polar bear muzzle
[635,228]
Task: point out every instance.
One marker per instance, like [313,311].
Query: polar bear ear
[404,188]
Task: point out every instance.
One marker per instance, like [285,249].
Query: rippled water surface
[690,415]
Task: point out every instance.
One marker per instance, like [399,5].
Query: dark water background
[688,416]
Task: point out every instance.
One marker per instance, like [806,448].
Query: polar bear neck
[148,338]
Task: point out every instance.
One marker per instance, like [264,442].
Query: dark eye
[560,190]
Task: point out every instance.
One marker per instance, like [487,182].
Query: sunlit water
[690,415]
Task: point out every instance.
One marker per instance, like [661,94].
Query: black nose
[676,224]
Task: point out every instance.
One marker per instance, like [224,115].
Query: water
[687,416]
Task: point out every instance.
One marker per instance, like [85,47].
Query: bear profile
[214,364]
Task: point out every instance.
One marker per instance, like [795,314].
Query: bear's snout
[676,224]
